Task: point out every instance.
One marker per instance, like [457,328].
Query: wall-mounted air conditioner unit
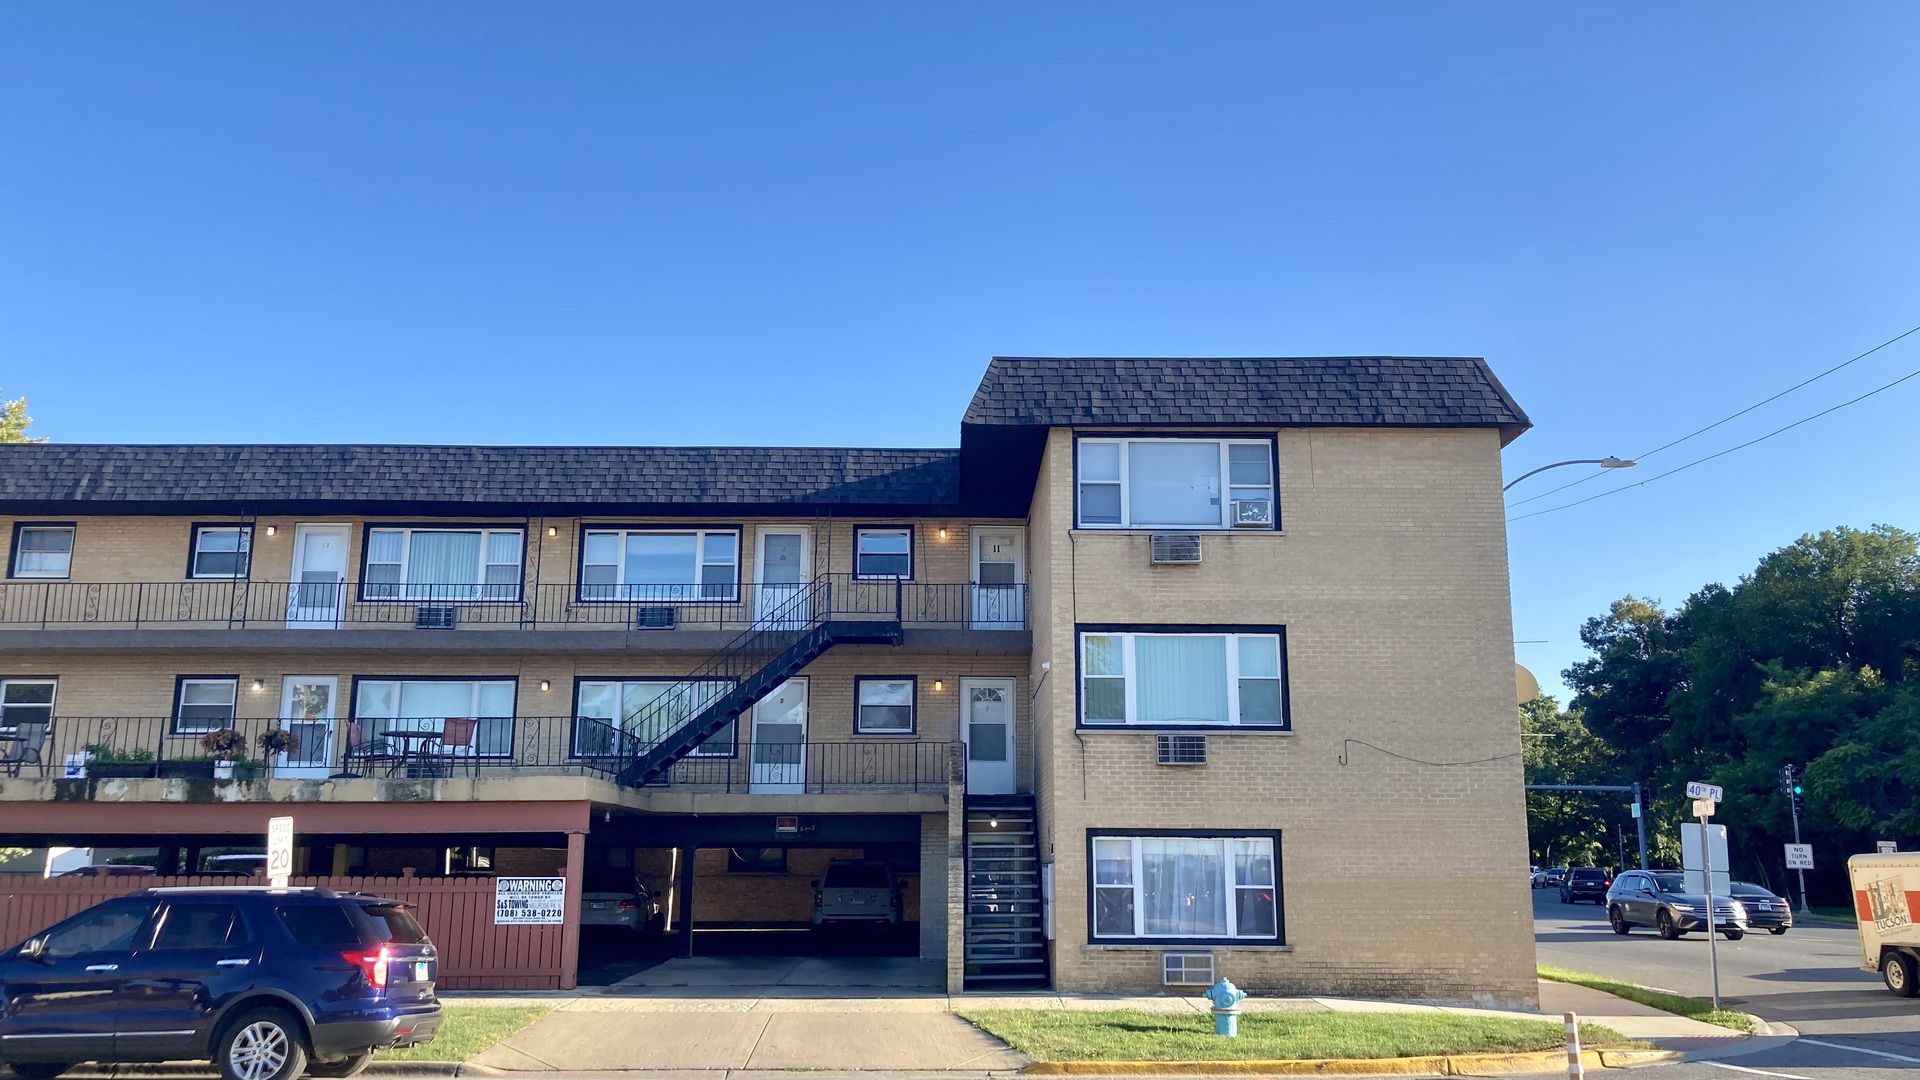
[1173,549]
[1253,513]
[1180,749]
[435,617]
[656,617]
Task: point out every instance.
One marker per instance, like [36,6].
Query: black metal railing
[164,747]
[222,604]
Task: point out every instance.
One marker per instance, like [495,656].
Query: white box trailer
[1886,892]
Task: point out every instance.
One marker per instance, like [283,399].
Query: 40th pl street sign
[1697,790]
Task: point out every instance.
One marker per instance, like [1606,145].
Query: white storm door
[999,573]
[318,596]
[308,707]
[779,745]
[987,731]
[780,570]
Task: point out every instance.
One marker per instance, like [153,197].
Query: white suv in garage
[856,891]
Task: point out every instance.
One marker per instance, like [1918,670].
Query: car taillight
[629,905]
[372,965]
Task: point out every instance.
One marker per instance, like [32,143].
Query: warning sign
[529,901]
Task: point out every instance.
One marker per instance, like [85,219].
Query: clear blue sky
[813,223]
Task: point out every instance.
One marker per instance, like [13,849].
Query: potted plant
[278,741]
[224,744]
[187,768]
[105,762]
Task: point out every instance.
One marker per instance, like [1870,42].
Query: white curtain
[1182,887]
[1182,679]
[1174,483]
[658,563]
[443,565]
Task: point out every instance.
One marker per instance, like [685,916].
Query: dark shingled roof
[1416,391]
[591,479]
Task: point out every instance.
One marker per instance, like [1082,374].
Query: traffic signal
[1791,787]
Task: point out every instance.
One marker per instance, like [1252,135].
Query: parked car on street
[856,891]
[1765,909]
[1551,878]
[109,870]
[1657,898]
[267,984]
[1585,883]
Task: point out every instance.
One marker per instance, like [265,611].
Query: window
[394,923]
[648,710]
[1186,887]
[320,925]
[883,552]
[383,705]
[443,564]
[885,706]
[42,551]
[25,701]
[111,927]
[220,551]
[1155,679]
[200,926]
[700,564]
[204,703]
[757,860]
[1173,483]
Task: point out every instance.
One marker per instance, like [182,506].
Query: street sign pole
[1706,861]
[1802,874]
[279,851]
[1640,823]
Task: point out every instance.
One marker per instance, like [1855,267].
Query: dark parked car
[1657,898]
[266,983]
[1551,878]
[1765,911]
[1585,883]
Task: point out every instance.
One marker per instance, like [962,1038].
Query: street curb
[415,1069]
[1440,1064]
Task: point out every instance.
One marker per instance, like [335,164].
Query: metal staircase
[1004,939]
[791,634]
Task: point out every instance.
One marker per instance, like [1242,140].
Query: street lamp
[1605,463]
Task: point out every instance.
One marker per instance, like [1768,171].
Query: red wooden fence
[457,913]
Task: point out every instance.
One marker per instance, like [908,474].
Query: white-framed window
[883,552]
[25,701]
[1224,888]
[42,551]
[884,705]
[385,705]
[1171,679]
[443,564]
[204,703]
[1171,482]
[646,709]
[220,551]
[657,564]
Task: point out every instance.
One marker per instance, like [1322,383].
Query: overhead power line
[1732,416]
[1915,374]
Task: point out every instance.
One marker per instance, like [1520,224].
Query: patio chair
[26,750]
[364,754]
[457,732]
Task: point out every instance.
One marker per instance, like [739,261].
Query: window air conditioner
[1186,969]
[1180,749]
[435,617]
[656,617]
[1176,548]
[1253,513]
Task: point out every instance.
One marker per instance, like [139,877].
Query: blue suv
[268,984]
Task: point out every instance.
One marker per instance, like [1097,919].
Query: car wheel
[351,1065]
[1664,921]
[1897,971]
[262,1044]
[39,1070]
[1619,922]
[1734,935]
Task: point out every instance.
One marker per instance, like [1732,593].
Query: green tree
[14,421]
[1572,827]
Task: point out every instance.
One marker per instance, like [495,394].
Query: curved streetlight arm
[1605,463]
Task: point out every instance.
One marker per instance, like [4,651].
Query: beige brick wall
[1401,871]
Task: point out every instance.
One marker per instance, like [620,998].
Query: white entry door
[780,571]
[987,731]
[318,596]
[307,711]
[779,755]
[999,570]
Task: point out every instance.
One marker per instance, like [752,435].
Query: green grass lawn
[465,1030]
[1691,1007]
[1130,1035]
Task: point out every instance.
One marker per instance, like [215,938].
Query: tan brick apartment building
[1175,667]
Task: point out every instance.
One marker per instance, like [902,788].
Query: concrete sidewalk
[789,1027]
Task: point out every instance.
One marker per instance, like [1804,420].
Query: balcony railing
[221,604]
[164,747]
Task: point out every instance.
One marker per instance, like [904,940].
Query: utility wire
[1915,374]
[1735,416]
